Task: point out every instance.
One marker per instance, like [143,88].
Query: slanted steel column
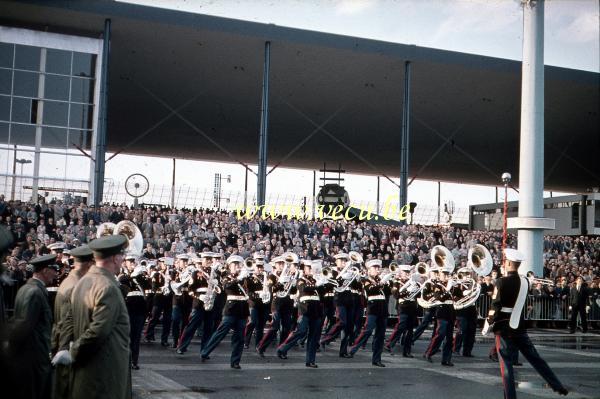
[264,128]
[100,153]
[405,139]
[531,222]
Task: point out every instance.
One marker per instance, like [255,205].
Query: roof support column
[531,223]
[97,181]
[264,127]
[405,139]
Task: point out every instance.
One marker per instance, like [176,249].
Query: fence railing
[536,309]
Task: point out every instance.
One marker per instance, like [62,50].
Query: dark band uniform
[511,340]
[377,313]
[259,311]
[345,314]
[199,316]
[281,311]
[235,313]
[407,313]
[444,331]
[309,321]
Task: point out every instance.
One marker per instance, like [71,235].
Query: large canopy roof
[465,108]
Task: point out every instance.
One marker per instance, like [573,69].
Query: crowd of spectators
[169,232]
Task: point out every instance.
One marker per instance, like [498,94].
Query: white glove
[319,282]
[63,358]
[587,309]
[570,308]
[285,279]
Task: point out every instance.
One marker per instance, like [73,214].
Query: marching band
[204,291]
[309,302]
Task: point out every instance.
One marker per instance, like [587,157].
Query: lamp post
[505,180]
[22,162]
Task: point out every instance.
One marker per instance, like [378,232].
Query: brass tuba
[133,234]
[480,260]
[442,258]
[105,229]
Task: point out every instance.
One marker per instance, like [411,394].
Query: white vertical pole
[531,157]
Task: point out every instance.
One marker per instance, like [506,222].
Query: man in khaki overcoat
[99,326]
[83,260]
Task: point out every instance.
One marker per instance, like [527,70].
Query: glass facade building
[48,111]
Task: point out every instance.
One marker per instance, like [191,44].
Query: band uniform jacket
[403,305]
[29,341]
[444,311]
[374,290]
[279,304]
[505,295]
[62,306]
[99,325]
[235,308]
[343,298]
[197,289]
[255,287]
[136,303]
[309,307]
[579,298]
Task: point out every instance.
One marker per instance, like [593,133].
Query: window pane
[26,84]
[22,134]
[27,57]
[21,111]
[575,216]
[5,81]
[5,108]
[3,133]
[81,116]
[56,87]
[58,61]
[82,90]
[55,113]
[82,138]
[597,213]
[84,64]
[6,55]
[54,137]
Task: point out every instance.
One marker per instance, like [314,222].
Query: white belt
[258,292]
[355,291]
[403,300]
[506,310]
[309,298]
[448,302]
[236,298]
[329,294]
[376,298]
[135,293]
[203,289]
[52,289]
[149,292]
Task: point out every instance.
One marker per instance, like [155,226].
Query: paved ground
[164,374]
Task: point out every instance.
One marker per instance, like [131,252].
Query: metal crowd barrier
[542,308]
[536,309]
